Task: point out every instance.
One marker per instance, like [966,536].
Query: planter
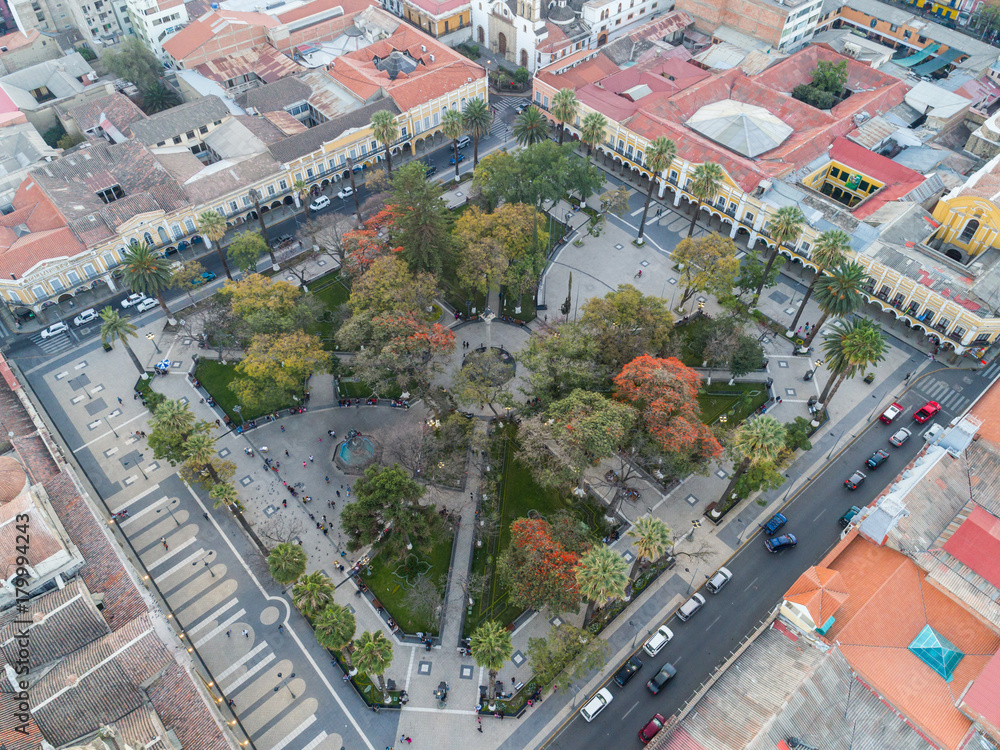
[870,378]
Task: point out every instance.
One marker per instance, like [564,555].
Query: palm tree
[478,119]
[757,441]
[453,126]
[651,539]
[386,131]
[564,106]
[286,562]
[531,127]
[659,156]
[706,180]
[334,629]
[213,227]
[117,328]
[158,97]
[786,226]
[201,452]
[829,249]
[851,347]
[254,196]
[225,494]
[592,131]
[173,417]
[146,273]
[601,575]
[312,593]
[491,646]
[301,190]
[373,654]
[838,293]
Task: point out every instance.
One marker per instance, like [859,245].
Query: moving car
[85,317]
[323,201]
[660,639]
[772,526]
[649,731]
[464,142]
[855,479]
[203,279]
[55,329]
[147,304]
[690,607]
[346,192]
[927,411]
[891,413]
[720,579]
[933,432]
[431,170]
[628,670]
[877,458]
[461,157]
[597,704]
[520,108]
[848,516]
[780,543]
[900,436]
[132,299]
[661,678]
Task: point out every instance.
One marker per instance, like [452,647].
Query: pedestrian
[282,428]
[513,680]
[327,480]
[907,376]
[163,541]
[338,491]
[286,452]
[246,633]
[324,518]
[312,517]
[479,727]
[304,464]
[229,633]
[119,399]
[284,503]
[281,628]
[232,703]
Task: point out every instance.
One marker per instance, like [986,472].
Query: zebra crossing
[945,394]
[502,105]
[992,371]
[248,672]
[54,345]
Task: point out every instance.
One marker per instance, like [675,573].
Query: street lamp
[77,379]
[238,409]
[167,506]
[108,420]
[152,337]
[284,683]
[204,559]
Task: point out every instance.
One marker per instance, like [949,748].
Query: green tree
[312,593]
[499,248]
[116,328]
[275,367]
[746,356]
[134,62]
[478,118]
[200,453]
[797,435]
[560,360]
[829,250]
[213,228]
[146,273]
[386,498]
[225,494]
[385,129]
[626,323]
[651,539]
[157,97]
[752,276]
[659,156]
[707,264]
[615,201]
[758,441]
[422,225]
[602,576]
[839,293]
[287,562]
[566,649]
[373,655]
[334,629]
[301,190]
[171,424]
[453,127]
[536,569]
[491,646]
[706,181]
[830,76]
[851,346]
[785,227]
[564,109]
[531,127]
[592,131]
[245,250]
[483,379]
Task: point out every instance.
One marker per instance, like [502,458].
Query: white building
[155,21]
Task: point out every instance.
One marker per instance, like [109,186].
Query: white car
[320,203]
[660,639]
[347,192]
[720,579]
[132,300]
[596,704]
[147,304]
[55,329]
[85,317]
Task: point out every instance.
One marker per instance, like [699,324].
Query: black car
[662,677]
[628,670]
[855,480]
[431,170]
[878,458]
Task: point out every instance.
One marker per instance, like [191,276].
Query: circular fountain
[356,452]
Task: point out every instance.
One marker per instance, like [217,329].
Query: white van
[596,704]
[464,141]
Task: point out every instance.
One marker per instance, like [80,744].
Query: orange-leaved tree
[665,393]
[363,246]
[537,570]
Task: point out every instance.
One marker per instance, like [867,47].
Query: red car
[927,411]
[891,413]
[649,731]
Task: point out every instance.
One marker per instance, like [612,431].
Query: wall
[234,39]
[41,50]
[760,20]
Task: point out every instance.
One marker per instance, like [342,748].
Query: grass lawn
[390,578]
[721,398]
[688,331]
[527,301]
[215,377]
[332,291]
[356,389]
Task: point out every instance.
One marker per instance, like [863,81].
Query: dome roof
[12,479]
[741,127]
[396,63]
[561,14]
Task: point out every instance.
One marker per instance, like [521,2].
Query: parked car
[661,678]
[780,543]
[431,170]
[132,300]
[322,202]
[690,607]
[55,329]
[772,526]
[720,579]
[85,317]
[346,192]
[464,142]
[461,158]
[927,411]
[651,729]
[900,436]
[848,516]
[147,304]
[660,639]
[203,279]
[596,704]
[855,480]
[891,413]
[628,670]
[877,458]
[933,432]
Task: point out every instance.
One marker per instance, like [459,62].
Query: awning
[938,62]
[919,57]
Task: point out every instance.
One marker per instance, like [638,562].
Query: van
[596,704]
[464,141]
[691,606]
[933,433]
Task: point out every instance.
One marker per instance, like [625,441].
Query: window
[246,200]
[638,156]
[748,218]
[309,170]
[203,129]
[893,27]
[38,291]
[630,16]
[834,172]
[402,132]
[906,34]
[57,285]
[111,194]
[189,134]
[147,238]
[864,186]
[874,23]
[177,139]
[74,277]
[374,145]
[189,225]
[982,338]
[271,191]
[283,183]
[804,248]
[436,118]
[427,122]
[90,270]
[921,39]
[177,231]
[628,150]
[354,153]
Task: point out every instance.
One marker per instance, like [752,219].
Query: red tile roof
[819,590]
[196,33]
[48,235]
[976,544]
[984,695]
[265,62]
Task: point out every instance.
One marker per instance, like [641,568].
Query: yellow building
[969,215]
[439,18]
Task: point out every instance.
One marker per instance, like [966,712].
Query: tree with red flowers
[537,570]
[362,247]
[665,393]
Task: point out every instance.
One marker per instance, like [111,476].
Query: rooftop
[63,77]
[297,146]
[274,96]
[265,62]
[199,31]
[116,109]
[171,122]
